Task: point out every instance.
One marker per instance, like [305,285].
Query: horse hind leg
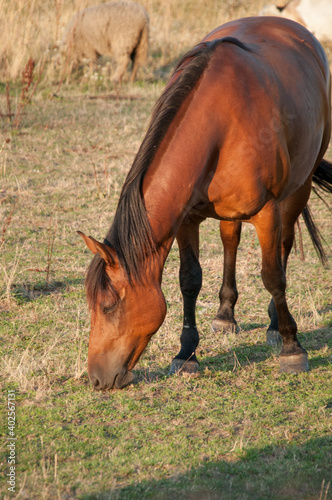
[230,233]
[290,210]
[190,284]
[268,224]
[273,337]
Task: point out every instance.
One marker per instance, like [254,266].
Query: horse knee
[191,280]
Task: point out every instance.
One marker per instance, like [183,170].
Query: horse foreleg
[268,224]
[230,233]
[190,284]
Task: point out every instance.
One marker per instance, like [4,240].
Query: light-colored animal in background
[315,15]
[117,29]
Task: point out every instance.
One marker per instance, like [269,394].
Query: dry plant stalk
[58,10]
[9,108]
[105,176]
[12,273]
[79,364]
[51,238]
[50,247]
[324,490]
[40,72]
[96,179]
[5,227]
[246,267]
[3,167]
[27,78]
[301,248]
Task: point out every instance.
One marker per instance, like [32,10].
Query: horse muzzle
[102,381]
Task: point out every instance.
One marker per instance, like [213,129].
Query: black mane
[130,234]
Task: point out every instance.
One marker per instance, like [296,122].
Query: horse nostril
[95,382]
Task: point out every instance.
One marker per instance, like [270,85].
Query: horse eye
[110,308]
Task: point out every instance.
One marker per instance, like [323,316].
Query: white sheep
[315,15]
[117,29]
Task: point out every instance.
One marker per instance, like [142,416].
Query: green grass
[239,430]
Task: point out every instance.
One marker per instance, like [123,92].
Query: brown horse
[238,135]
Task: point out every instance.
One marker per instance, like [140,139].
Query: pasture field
[238,430]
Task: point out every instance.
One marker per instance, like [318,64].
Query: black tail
[323,180]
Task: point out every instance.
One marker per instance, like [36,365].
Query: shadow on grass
[245,327]
[273,472]
[246,355]
[314,340]
[325,309]
[225,361]
[29,292]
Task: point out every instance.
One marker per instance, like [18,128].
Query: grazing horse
[238,135]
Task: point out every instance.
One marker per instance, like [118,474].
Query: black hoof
[273,338]
[181,366]
[224,326]
[295,363]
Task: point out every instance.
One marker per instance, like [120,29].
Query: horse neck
[175,180]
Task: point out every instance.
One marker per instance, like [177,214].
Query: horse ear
[107,253]
[88,241]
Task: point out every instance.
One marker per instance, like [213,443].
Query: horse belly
[232,200]
[237,207]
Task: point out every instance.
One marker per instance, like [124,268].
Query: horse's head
[124,316]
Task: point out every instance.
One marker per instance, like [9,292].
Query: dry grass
[30,29]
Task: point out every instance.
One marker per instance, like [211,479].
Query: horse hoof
[295,363]
[222,325]
[273,338]
[181,366]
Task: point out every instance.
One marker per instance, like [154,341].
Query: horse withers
[238,135]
